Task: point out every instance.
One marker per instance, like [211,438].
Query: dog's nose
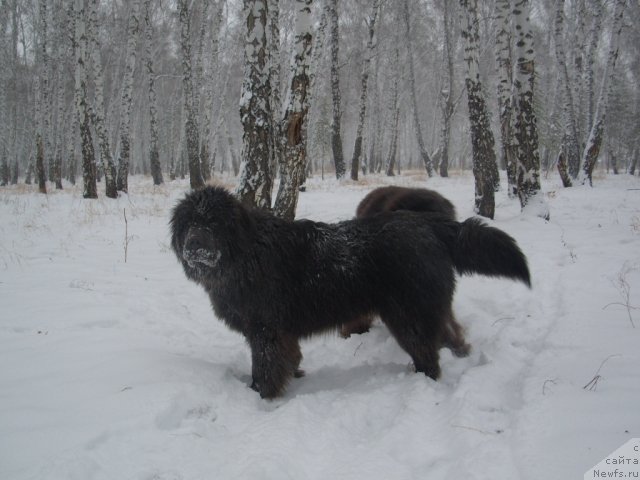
[198,250]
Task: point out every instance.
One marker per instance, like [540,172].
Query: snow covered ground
[120,370]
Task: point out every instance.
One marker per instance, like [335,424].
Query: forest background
[173,89]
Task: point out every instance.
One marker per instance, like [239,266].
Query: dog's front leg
[275,357]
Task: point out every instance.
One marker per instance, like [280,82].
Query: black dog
[390,199]
[278,281]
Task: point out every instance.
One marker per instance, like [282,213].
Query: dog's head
[209,230]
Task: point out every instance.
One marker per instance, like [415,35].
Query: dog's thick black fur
[390,199]
[277,281]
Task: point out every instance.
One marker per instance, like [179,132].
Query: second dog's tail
[480,248]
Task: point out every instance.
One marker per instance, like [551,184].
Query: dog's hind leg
[420,338]
[453,337]
[275,358]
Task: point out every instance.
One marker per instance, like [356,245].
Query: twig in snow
[544,385]
[624,289]
[126,235]
[593,384]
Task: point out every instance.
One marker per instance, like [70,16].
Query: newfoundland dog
[277,281]
[390,199]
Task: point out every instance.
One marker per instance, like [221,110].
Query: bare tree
[42,91]
[526,129]
[206,155]
[154,155]
[426,159]
[448,102]
[364,81]
[82,108]
[395,116]
[570,150]
[253,187]
[127,98]
[295,118]
[99,118]
[275,102]
[596,134]
[60,76]
[336,118]
[482,141]
[505,101]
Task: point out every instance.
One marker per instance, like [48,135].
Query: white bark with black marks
[364,82]
[482,141]
[596,134]
[99,117]
[294,125]
[255,110]
[82,108]
[526,129]
[126,100]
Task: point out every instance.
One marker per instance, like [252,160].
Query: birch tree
[127,99]
[209,86]
[505,80]
[60,76]
[364,81]
[426,159]
[596,134]
[570,150]
[482,141]
[526,129]
[253,187]
[336,117]
[191,129]
[395,116]
[275,100]
[82,108]
[42,89]
[154,155]
[295,118]
[588,80]
[447,104]
[99,118]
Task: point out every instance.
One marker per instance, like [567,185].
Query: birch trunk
[395,117]
[275,100]
[253,187]
[191,130]
[82,108]
[357,148]
[426,159]
[570,149]
[596,134]
[336,135]
[42,87]
[126,101]
[295,118]
[505,102]
[447,102]
[589,73]
[60,91]
[206,156]
[526,129]
[99,118]
[482,141]
[154,155]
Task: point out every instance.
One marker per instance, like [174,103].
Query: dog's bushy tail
[480,248]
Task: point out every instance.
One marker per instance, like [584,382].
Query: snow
[120,370]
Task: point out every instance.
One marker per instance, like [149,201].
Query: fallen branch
[593,384]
